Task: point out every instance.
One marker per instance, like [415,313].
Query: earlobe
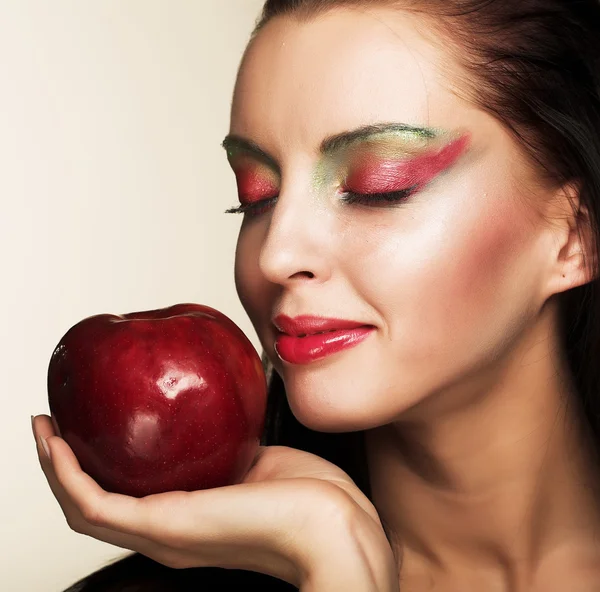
[575,272]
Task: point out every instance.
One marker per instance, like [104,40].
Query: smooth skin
[477,460]
[477,465]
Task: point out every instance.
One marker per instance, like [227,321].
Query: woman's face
[445,269]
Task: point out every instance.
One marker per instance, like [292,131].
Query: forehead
[301,81]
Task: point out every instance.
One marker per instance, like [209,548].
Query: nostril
[307,274]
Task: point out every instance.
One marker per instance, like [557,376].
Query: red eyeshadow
[254,184]
[377,175]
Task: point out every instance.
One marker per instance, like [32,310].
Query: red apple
[161,400]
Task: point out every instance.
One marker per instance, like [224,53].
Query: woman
[428,172]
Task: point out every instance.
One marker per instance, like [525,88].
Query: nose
[298,243]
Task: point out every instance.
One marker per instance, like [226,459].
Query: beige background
[112,187]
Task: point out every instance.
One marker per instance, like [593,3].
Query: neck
[500,480]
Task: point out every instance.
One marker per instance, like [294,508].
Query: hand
[295,516]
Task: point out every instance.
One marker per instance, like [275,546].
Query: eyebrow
[333,143]
[233,142]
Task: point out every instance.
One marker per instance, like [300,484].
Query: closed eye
[253,209]
[348,197]
[388,197]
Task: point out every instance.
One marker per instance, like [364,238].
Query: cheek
[483,273]
[245,275]
[453,280]
[252,289]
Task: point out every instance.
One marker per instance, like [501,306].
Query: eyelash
[389,198]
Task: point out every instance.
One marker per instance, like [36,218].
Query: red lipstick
[305,339]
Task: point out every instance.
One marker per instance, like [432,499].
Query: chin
[340,405]
[332,423]
[344,393]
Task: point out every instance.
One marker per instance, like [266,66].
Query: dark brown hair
[535,66]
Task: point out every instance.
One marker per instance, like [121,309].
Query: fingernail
[32,427]
[45,446]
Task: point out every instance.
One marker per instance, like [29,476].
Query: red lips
[306,339]
[309,325]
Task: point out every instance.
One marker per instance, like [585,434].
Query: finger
[94,503]
[42,426]
[78,495]
[72,513]
[44,429]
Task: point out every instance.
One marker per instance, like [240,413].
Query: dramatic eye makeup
[257,175]
[388,173]
[376,165]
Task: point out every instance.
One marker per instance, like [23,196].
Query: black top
[137,573]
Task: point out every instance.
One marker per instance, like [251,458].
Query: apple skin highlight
[171,399]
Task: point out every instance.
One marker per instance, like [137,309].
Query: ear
[572,239]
